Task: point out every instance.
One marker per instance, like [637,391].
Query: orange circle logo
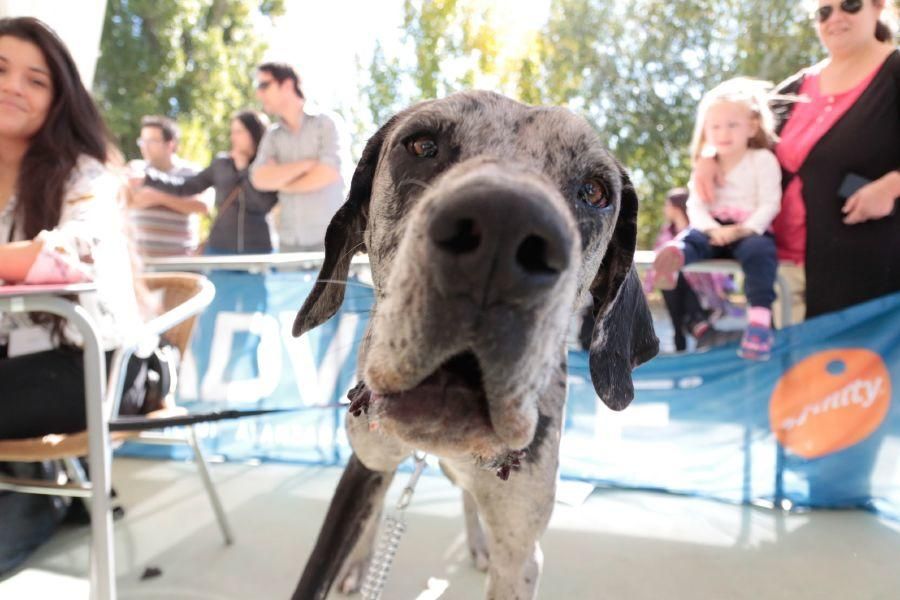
[830,401]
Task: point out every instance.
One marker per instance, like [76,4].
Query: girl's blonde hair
[754,94]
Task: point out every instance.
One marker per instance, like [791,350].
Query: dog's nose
[497,244]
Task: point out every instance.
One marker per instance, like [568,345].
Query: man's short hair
[166,125]
[281,71]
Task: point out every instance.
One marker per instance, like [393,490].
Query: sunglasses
[141,142]
[851,7]
[262,85]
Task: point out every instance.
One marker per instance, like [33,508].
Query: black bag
[150,382]
[162,377]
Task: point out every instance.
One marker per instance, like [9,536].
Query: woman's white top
[90,243]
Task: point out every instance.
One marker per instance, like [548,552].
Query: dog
[484,221]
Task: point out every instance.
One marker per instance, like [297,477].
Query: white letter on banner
[187,377]
[317,383]
[268,358]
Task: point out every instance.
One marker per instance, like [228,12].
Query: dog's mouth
[446,413]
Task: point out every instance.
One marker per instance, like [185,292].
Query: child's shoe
[666,265]
[708,336]
[756,343]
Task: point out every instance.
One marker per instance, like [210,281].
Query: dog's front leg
[356,503]
[356,565]
[515,514]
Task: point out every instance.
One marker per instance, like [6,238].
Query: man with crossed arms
[299,159]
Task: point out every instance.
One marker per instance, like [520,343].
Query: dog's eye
[594,193]
[422,146]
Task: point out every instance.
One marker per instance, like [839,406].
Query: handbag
[229,200]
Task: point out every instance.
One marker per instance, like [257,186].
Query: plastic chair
[183,297]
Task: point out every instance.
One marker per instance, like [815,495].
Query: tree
[448,45]
[638,72]
[192,61]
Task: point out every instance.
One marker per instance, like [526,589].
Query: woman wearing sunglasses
[839,149]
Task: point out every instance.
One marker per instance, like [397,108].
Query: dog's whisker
[361,284]
[352,250]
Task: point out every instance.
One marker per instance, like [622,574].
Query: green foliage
[638,72]
[452,45]
[191,60]
[635,69]
[382,92]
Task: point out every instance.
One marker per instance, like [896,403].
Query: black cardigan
[242,227]
[848,264]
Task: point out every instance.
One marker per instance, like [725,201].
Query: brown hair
[883,32]
[281,71]
[73,127]
[166,126]
[255,123]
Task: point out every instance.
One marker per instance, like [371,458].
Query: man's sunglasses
[262,85]
[851,7]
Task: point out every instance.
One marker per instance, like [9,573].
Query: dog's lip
[457,378]
[446,412]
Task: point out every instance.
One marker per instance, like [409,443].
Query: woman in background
[60,222]
[839,150]
[241,225]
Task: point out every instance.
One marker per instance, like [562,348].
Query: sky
[323,39]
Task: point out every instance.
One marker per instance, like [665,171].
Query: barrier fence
[817,425]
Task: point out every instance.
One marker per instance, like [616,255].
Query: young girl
[734,121]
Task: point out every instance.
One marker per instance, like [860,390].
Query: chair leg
[76,473]
[202,467]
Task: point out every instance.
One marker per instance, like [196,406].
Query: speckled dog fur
[480,145]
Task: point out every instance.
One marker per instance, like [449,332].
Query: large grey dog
[484,220]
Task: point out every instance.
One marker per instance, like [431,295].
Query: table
[51,299]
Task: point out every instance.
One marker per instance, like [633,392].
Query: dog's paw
[351,577]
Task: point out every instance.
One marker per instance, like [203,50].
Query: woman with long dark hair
[60,221]
[241,225]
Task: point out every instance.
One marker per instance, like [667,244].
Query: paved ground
[615,545]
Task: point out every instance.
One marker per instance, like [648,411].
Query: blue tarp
[817,425]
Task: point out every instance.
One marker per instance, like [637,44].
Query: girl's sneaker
[666,265]
[756,343]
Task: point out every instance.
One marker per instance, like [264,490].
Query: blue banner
[817,425]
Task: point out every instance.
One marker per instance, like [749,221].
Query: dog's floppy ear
[343,239]
[623,336]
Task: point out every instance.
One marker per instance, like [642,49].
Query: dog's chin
[446,414]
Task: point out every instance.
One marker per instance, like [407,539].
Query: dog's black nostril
[461,237]
[534,257]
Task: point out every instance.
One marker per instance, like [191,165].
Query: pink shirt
[810,120]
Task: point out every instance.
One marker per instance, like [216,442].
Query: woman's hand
[706,176]
[873,201]
[727,234]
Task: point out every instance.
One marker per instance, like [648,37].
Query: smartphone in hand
[851,183]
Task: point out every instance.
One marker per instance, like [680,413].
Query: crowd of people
[822,210]
[806,181]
